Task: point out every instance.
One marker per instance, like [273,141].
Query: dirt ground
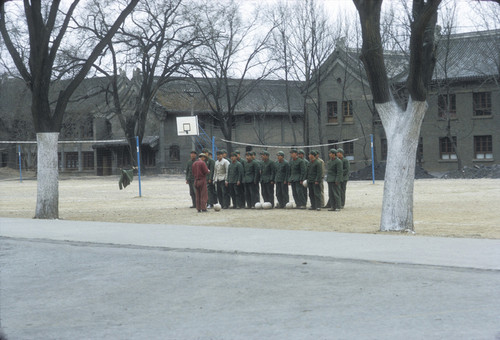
[450,208]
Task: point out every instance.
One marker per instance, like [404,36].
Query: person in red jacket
[200,171]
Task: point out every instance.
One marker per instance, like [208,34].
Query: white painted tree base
[402,130]
[47,203]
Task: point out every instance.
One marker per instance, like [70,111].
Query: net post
[138,163]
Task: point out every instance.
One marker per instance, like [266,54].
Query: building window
[71,160]
[347,114]
[331,109]
[446,150]
[348,150]
[483,147]
[175,153]
[447,106]
[383,149]
[88,160]
[248,119]
[482,104]
[333,144]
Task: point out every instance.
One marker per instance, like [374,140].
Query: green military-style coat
[334,171]
[315,172]
[189,171]
[298,170]
[251,172]
[235,173]
[211,166]
[282,171]
[268,171]
[346,168]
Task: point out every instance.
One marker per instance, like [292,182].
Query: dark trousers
[268,192]
[334,199]
[234,192]
[222,194]
[212,196]
[250,194]
[343,187]
[282,194]
[299,196]
[314,195]
[192,192]
[200,186]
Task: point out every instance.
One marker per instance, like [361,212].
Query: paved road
[67,280]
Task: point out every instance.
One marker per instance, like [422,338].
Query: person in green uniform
[302,156]
[298,172]
[334,180]
[321,183]
[258,163]
[345,175]
[314,177]
[268,172]
[250,181]
[190,178]
[241,193]
[212,197]
[234,181]
[281,180]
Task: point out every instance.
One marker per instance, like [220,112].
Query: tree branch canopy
[372,53]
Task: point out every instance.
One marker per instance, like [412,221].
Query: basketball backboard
[187,126]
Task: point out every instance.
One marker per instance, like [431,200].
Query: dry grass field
[449,208]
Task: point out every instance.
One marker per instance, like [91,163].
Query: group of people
[241,181]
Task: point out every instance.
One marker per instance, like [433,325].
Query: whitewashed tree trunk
[47,203]
[402,130]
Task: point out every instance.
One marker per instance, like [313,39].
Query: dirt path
[451,208]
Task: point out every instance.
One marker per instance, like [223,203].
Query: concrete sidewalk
[415,250]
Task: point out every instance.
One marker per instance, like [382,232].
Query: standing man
[200,171]
[250,181]
[314,172]
[241,194]
[190,178]
[334,180]
[281,178]
[234,182]
[345,175]
[212,198]
[296,179]
[321,184]
[302,155]
[268,172]
[220,176]
[258,164]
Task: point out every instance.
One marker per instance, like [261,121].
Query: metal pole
[20,166]
[213,145]
[138,163]
[373,165]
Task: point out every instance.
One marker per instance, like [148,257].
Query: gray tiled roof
[468,55]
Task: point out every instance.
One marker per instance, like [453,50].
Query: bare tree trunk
[47,203]
[402,130]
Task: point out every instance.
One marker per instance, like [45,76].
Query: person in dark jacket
[298,172]
[314,177]
[281,180]
[334,179]
[268,172]
[345,175]
[234,181]
[250,181]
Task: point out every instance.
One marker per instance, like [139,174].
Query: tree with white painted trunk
[38,56]
[402,126]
